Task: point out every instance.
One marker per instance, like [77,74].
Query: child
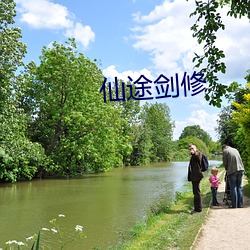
[214,185]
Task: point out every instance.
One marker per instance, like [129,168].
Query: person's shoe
[231,206]
[194,212]
[217,204]
[241,206]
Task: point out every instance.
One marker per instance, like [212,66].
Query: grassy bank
[170,227]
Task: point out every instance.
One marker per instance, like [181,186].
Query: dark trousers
[214,196]
[197,196]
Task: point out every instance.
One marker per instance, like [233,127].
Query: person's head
[192,148]
[214,171]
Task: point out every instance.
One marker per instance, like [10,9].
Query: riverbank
[172,227]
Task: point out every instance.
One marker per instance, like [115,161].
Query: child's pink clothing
[214,181]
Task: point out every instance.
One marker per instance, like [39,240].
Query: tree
[196,131]
[69,118]
[19,157]
[158,129]
[230,130]
[129,118]
[208,23]
[184,142]
[241,116]
[227,127]
[12,50]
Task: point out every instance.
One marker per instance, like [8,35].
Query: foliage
[157,126]
[196,131]
[130,110]
[242,116]
[53,120]
[208,23]
[12,50]
[227,127]
[68,117]
[201,146]
[215,147]
[178,154]
[20,158]
[232,124]
[170,226]
[141,144]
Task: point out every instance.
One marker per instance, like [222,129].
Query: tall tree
[12,51]
[242,116]
[158,126]
[130,110]
[227,127]
[19,158]
[69,117]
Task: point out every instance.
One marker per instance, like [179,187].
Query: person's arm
[224,159]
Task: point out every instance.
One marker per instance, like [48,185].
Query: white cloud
[44,14]
[111,72]
[208,122]
[83,34]
[165,33]
[234,41]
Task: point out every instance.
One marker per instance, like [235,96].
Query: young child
[214,186]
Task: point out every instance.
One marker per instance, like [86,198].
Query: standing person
[235,169]
[214,186]
[195,175]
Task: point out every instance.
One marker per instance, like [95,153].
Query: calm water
[104,204]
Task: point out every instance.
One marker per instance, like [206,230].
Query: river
[105,204]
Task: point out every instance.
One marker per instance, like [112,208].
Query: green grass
[246,188]
[170,226]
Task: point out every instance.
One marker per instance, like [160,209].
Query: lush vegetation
[205,29]
[170,226]
[53,118]
[54,121]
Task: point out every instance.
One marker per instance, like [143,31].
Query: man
[195,175]
[235,170]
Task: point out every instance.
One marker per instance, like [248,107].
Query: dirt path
[225,228]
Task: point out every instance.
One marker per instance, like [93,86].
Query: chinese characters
[165,87]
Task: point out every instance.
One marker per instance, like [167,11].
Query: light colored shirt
[232,160]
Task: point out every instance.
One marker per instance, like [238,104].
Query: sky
[138,37]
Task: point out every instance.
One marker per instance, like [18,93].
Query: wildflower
[61,215]
[45,229]
[29,238]
[10,242]
[78,228]
[54,230]
[20,243]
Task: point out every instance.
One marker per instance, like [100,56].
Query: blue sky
[135,37]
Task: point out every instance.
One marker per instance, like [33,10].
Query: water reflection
[105,204]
